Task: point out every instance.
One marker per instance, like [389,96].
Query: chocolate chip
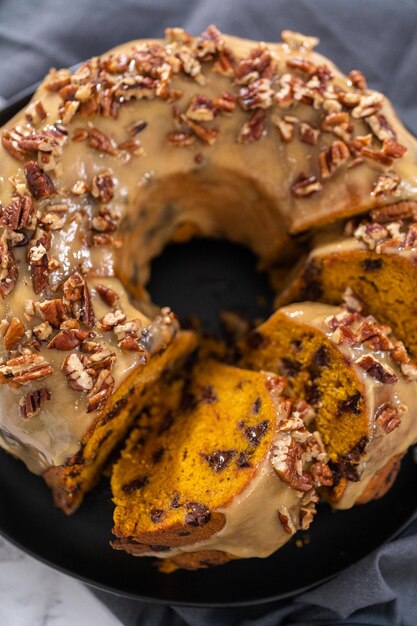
[134,485]
[218,460]
[321,357]
[289,367]
[256,340]
[197,514]
[157,455]
[254,434]
[158,548]
[349,405]
[256,407]
[370,265]
[208,395]
[157,515]
[312,393]
[175,502]
[166,423]
[242,460]
[312,288]
[184,533]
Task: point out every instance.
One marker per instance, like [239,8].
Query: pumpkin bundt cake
[359,380]
[219,467]
[153,141]
[376,257]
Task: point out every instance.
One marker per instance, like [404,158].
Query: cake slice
[219,467]
[377,259]
[359,380]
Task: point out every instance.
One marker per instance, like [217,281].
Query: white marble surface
[32,594]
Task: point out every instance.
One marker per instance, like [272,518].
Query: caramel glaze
[114,118]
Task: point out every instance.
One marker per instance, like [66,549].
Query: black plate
[197,278]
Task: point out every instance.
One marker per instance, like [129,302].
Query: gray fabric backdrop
[380,37]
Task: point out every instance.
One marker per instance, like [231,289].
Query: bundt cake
[376,257]
[360,382]
[219,467]
[153,141]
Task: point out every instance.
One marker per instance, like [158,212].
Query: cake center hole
[203,277]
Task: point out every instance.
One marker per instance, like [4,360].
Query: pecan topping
[18,214]
[53,311]
[322,474]
[111,319]
[333,157]
[309,134]
[78,378]
[39,183]
[23,369]
[254,128]
[10,142]
[377,370]
[201,109]
[225,103]
[305,187]
[206,135]
[68,339]
[225,63]
[38,259]
[387,417]
[285,129]
[196,514]
[14,334]
[380,127]
[102,187]
[298,41]
[286,521]
[386,183]
[179,139]
[77,300]
[288,463]
[109,296]
[106,221]
[32,402]
[358,80]
[101,391]
[8,269]
[256,95]
[398,211]
[101,142]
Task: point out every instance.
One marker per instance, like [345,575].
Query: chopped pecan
[10,142]
[56,80]
[101,142]
[302,65]
[322,474]
[8,269]
[201,109]
[380,127]
[109,296]
[18,214]
[14,334]
[371,234]
[225,63]
[286,521]
[309,134]
[386,183]
[398,211]
[352,302]
[39,183]
[77,376]
[106,221]
[99,357]
[24,369]
[111,319]
[387,417]
[68,339]
[206,135]
[256,95]
[343,334]
[77,300]
[333,157]
[369,104]
[258,64]
[80,188]
[254,128]
[32,402]
[358,80]
[285,129]
[373,367]
[180,139]
[42,331]
[38,259]
[53,311]
[101,391]
[297,41]
[305,186]
[102,187]
[287,462]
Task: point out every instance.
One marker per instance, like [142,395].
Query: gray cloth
[380,37]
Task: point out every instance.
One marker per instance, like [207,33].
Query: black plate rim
[159,601]
[7,111]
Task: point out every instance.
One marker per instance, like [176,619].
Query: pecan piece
[358,80]
[309,134]
[109,296]
[306,186]
[322,474]
[18,214]
[398,211]
[77,376]
[254,128]
[39,183]
[102,187]
[23,369]
[381,373]
[38,259]
[53,311]
[32,402]
[14,334]
[386,183]
[256,95]
[201,109]
[111,319]
[287,463]
[387,417]
[101,142]
[101,391]
[77,300]
[68,339]
[286,521]
[179,139]
[8,269]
